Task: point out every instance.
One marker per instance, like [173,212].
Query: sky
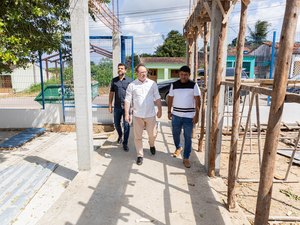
[149,21]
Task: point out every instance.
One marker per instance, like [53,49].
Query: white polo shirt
[142,96]
[184,98]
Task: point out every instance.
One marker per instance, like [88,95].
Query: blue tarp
[22,137]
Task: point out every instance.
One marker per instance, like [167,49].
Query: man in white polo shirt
[184,96]
[143,94]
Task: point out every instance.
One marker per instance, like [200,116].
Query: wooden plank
[278,97]
[231,198]
[289,97]
[225,19]
[221,8]
[208,10]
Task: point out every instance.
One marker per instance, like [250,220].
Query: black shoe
[119,140]
[139,160]
[152,150]
[125,147]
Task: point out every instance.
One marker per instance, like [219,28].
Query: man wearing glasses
[143,94]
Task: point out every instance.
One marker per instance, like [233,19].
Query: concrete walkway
[161,191]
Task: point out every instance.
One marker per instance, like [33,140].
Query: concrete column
[116,44]
[82,82]
[166,74]
[214,36]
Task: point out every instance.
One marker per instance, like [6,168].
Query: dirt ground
[285,195]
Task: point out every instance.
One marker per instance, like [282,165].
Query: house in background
[248,61]
[163,68]
[20,79]
[263,60]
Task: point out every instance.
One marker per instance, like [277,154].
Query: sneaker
[125,147]
[177,152]
[139,160]
[186,163]
[152,150]
[119,140]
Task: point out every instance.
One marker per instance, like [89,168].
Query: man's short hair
[138,66]
[185,69]
[122,64]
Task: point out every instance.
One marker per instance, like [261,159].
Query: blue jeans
[118,114]
[187,124]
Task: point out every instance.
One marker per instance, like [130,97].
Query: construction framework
[215,14]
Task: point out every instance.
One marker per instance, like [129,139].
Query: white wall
[23,78]
[100,116]
[26,118]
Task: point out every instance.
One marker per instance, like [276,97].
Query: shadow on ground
[161,191]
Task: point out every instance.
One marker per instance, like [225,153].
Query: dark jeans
[118,114]
[187,124]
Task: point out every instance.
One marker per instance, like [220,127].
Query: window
[174,73]
[5,81]
[152,72]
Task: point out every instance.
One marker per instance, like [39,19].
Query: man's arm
[170,103]
[127,103]
[198,103]
[158,104]
[110,101]
[126,109]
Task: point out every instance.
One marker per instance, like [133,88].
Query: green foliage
[27,27]
[102,72]
[260,32]
[35,88]
[173,46]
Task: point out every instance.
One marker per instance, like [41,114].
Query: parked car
[164,86]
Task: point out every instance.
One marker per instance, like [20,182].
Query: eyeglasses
[143,72]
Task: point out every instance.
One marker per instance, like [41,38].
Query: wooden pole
[216,96]
[190,47]
[279,89]
[195,54]
[231,204]
[203,109]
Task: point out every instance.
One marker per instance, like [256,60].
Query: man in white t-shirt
[143,94]
[184,97]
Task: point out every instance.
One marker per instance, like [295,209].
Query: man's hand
[169,115]
[110,108]
[128,118]
[159,113]
[196,118]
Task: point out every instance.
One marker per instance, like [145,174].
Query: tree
[27,27]
[173,46]
[259,34]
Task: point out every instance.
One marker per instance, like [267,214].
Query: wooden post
[236,108]
[190,48]
[195,54]
[216,96]
[278,95]
[200,142]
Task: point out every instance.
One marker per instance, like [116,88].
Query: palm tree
[259,34]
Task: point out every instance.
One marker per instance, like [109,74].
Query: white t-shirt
[184,98]
[142,96]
